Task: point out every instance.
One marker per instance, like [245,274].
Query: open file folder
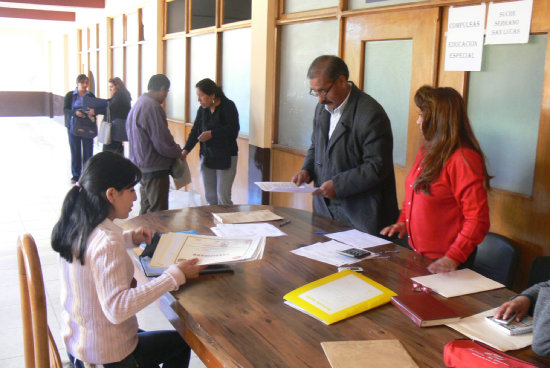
[338,296]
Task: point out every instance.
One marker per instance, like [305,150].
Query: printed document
[456,283]
[176,247]
[357,239]
[284,186]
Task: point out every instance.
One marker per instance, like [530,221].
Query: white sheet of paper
[246,230]
[357,239]
[456,283]
[509,22]
[284,186]
[340,294]
[326,253]
[464,43]
[477,328]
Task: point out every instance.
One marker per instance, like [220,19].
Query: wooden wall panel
[239,193]
[284,164]
[422,27]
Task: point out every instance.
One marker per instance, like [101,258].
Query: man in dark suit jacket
[350,158]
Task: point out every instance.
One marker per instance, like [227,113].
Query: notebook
[425,310]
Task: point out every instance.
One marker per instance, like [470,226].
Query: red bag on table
[464,353]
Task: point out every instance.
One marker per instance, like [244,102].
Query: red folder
[424,309]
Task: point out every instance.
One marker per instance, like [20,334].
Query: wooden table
[239,320]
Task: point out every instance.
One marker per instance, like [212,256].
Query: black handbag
[83,127]
[118,130]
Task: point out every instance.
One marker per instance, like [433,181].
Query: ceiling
[49,10]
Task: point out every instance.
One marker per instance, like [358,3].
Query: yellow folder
[339,296]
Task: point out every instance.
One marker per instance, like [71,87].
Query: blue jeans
[81,151]
[154,348]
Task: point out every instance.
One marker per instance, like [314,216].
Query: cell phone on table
[505,321]
[354,252]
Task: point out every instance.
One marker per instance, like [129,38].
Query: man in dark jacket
[350,158]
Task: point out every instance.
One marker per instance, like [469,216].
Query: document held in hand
[338,296]
[176,247]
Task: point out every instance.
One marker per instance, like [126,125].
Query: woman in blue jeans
[73,106]
[99,295]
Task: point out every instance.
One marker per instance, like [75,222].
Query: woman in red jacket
[445,212]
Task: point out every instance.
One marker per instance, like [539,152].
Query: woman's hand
[443,264]
[90,112]
[190,268]
[79,113]
[398,228]
[141,235]
[205,136]
[519,306]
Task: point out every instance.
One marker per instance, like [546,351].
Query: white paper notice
[509,22]
[464,45]
[340,294]
[477,328]
[457,283]
[357,239]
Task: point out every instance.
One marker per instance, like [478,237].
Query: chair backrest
[497,259]
[540,270]
[39,345]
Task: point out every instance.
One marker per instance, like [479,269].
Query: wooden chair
[39,345]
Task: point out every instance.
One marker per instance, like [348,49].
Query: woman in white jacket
[98,292]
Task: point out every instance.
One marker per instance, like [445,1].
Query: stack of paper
[246,230]
[245,216]
[457,283]
[176,247]
[338,296]
[326,252]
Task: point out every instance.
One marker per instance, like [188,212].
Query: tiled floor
[35,167]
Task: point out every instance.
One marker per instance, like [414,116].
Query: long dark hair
[86,205]
[209,87]
[116,81]
[446,128]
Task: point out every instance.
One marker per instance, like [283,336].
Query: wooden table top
[240,320]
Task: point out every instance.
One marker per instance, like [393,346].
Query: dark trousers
[154,194]
[81,151]
[154,348]
[114,146]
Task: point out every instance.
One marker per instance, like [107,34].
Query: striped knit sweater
[99,304]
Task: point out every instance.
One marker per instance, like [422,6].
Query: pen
[284,223]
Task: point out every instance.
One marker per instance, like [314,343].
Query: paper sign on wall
[464,45]
[509,22]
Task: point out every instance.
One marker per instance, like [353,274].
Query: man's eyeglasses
[322,93]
